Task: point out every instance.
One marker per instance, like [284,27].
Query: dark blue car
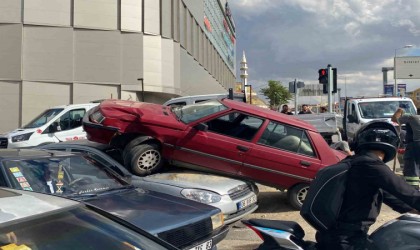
[183,223]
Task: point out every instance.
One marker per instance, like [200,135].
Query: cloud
[284,40]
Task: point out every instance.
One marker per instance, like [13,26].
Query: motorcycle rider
[370,182]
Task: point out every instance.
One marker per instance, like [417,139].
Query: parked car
[235,198]
[60,123]
[187,100]
[30,220]
[181,222]
[219,136]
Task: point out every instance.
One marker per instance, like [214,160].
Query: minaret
[244,73]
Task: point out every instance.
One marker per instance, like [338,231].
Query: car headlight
[217,220]
[22,137]
[200,195]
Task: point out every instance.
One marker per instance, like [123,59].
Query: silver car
[235,198]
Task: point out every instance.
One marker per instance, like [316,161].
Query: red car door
[221,147]
[282,156]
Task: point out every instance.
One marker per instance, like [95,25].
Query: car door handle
[242,148]
[305,163]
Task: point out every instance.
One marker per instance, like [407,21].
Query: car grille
[3,142]
[239,191]
[186,235]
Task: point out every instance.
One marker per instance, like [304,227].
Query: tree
[276,93]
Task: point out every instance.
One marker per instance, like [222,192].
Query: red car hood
[141,112]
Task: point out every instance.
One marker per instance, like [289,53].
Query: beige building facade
[56,52]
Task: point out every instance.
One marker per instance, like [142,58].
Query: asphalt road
[273,205]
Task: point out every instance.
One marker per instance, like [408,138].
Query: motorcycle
[400,233]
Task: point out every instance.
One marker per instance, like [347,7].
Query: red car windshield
[194,112]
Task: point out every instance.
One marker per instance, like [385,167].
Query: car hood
[142,112]
[152,211]
[19,131]
[191,179]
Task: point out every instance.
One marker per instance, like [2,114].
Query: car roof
[83,142]
[19,204]
[20,153]
[81,105]
[269,114]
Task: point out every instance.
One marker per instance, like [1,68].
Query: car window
[194,112]
[67,175]
[237,125]
[70,120]
[43,118]
[286,137]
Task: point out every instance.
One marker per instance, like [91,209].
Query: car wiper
[81,196]
[116,189]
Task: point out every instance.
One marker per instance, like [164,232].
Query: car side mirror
[53,127]
[351,119]
[202,127]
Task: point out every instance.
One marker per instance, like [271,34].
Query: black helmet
[379,135]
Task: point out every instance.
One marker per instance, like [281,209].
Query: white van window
[71,119]
[43,118]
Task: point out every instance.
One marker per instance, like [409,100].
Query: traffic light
[323,76]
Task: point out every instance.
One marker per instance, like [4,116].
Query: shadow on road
[273,201]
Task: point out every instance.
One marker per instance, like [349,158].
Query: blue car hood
[152,211]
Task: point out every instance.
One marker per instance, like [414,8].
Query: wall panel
[9,105]
[47,12]
[97,56]
[96,14]
[151,17]
[10,48]
[38,96]
[131,15]
[10,11]
[48,53]
[83,93]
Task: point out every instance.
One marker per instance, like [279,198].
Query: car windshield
[75,175]
[43,118]
[384,109]
[74,228]
[194,112]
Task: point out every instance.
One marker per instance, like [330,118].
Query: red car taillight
[97,117]
[401,150]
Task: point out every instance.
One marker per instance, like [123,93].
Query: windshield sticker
[13,246]
[14,170]
[28,189]
[25,184]
[21,179]
[18,174]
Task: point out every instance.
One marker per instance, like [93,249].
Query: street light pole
[395,67]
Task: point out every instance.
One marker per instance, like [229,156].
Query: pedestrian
[370,182]
[305,110]
[285,110]
[411,156]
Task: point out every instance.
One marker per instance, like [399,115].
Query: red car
[220,136]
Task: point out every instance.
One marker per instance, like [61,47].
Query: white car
[60,123]
[235,198]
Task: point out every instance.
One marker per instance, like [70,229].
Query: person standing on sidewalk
[411,157]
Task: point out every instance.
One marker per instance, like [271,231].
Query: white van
[186,100]
[60,123]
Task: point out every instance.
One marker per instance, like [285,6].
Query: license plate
[246,202]
[203,246]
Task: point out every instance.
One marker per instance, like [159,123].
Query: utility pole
[330,87]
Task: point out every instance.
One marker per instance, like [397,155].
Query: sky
[293,39]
